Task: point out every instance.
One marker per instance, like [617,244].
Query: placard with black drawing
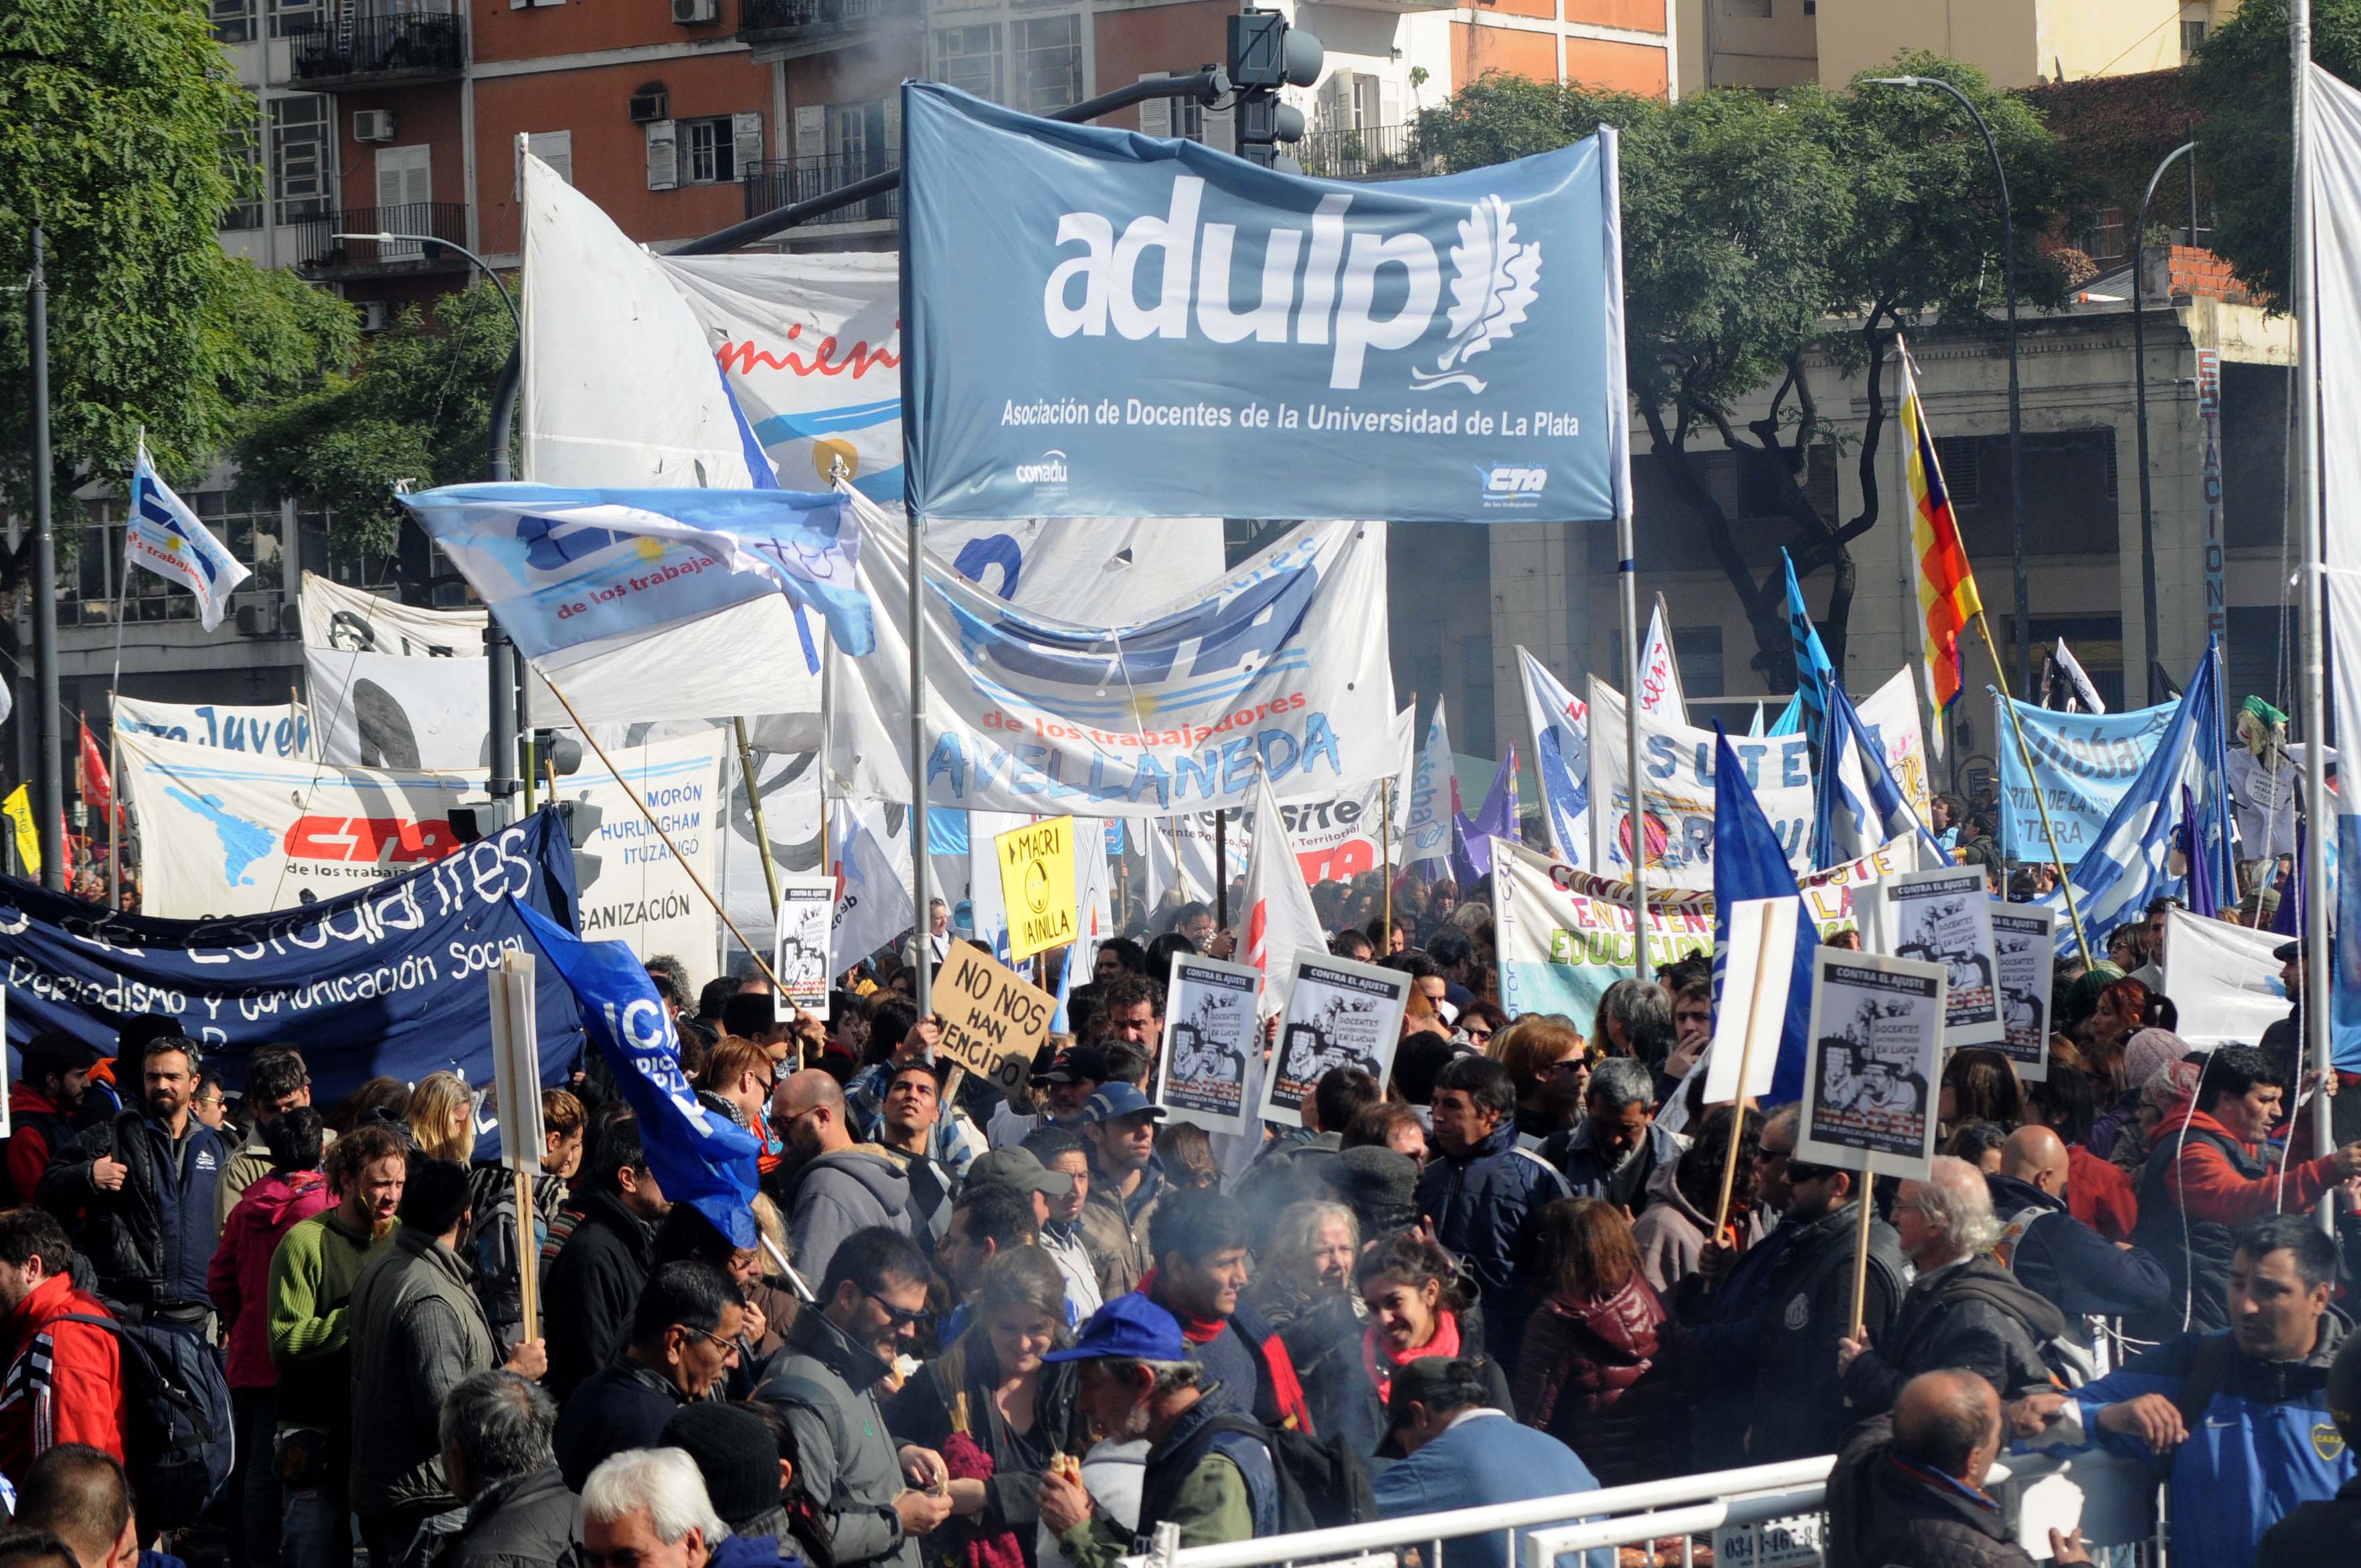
[1212,1040]
[1876,1057]
[2025,950]
[1338,1014]
[1943,917]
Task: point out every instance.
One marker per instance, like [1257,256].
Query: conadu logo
[1319,286]
[1049,469]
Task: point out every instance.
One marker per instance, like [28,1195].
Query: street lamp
[2016,416]
[508,718]
[2139,397]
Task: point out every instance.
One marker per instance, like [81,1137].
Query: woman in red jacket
[1587,1373]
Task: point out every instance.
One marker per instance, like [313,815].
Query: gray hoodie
[838,1194]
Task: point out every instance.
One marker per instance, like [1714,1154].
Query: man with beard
[137,1192]
[311,1277]
[837,1188]
[41,1107]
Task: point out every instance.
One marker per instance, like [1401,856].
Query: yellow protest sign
[1036,886]
[18,808]
[993,1020]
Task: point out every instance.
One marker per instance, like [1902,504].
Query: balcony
[785,30]
[322,255]
[1366,152]
[379,51]
[781,182]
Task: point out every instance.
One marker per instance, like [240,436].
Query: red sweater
[64,1384]
[238,1280]
[2206,1187]
[2099,1194]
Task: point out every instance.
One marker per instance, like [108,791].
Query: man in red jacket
[41,1107]
[65,1382]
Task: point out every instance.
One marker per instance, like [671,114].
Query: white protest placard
[806,914]
[1876,1057]
[2025,948]
[1339,1014]
[2222,977]
[516,1062]
[1761,968]
[994,1019]
[1942,917]
[1212,1040]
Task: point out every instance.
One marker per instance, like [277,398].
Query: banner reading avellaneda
[1100,323]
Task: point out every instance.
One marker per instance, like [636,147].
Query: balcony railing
[378,48]
[781,182]
[816,22]
[318,251]
[1366,152]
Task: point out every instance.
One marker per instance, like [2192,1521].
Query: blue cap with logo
[1132,1327]
[1118,1100]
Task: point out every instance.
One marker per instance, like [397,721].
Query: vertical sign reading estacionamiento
[1439,350]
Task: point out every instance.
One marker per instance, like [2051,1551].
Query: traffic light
[1266,55]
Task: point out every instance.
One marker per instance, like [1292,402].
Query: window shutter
[892,127]
[1390,107]
[1221,129]
[557,149]
[664,154]
[811,131]
[1337,102]
[745,142]
[1155,114]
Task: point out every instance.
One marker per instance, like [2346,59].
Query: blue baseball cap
[1132,1327]
[1117,1100]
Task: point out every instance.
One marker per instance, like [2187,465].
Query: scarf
[1196,1331]
[1379,1360]
[1280,1400]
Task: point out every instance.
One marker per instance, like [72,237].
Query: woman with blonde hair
[442,1117]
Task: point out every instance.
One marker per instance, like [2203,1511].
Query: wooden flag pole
[754,810]
[1861,1244]
[1386,851]
[2025,751]
[1738,1106]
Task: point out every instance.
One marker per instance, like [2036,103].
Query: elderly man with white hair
[647,1507]
[1964,1312]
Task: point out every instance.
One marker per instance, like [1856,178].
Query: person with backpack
[1461,1452]
[2054,1254]
[41,1107]
[65,1380]
[1215,1476]
[1200,1240]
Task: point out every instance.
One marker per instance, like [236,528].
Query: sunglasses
[900,1317]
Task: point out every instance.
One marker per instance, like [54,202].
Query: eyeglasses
[729,1347]
[1477,1031]
[1570,1067]
[900,1317]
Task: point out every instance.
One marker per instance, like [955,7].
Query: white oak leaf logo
[1495,278]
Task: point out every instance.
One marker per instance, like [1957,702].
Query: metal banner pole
[924,982]
[1627,574]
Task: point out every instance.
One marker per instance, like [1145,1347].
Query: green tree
[1759,233]
[2244,137]
[120,132]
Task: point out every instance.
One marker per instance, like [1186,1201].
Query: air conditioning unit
[689,12]
[650,103]
[377,125]
[376,315]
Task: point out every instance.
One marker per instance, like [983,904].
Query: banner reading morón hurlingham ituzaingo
[1100,323]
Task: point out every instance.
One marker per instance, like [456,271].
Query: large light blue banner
[2086,762]
[1100,323]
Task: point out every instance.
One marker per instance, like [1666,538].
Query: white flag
[165,536]
[1660,672]
[2085,692]
[1280,921]
[872,895]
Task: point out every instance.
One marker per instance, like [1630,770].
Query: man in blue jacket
[1483,1193]
[1459,1452]
[2238,1423]
[2056,1255]
[136,1195]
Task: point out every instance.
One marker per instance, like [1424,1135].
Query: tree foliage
[417,409]
[117,117]
[2244,133]
[1762,233]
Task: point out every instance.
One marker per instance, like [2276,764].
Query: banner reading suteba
[1426,350]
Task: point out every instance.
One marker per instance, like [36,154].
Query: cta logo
[370,840]
[1496,276]
[1049,471]
[1513,485]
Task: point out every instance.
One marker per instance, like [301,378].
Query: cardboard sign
[2025,946]
[1760,969]
[1036,886]
[516,1061]
[1876,1057]
[1338,1014]
[806,915]
[1212,1038]
[1942,917]
[992,1020]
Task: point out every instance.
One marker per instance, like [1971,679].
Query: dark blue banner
[390,980]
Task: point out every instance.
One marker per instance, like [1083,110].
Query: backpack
[177,1429]
[1321,1483]
[2066,1356]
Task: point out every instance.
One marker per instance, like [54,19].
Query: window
[2108,238]
[302,155]
[709,152]
[1759,8]
[333,556]
[2192,37]
[1697,651]
[1046,54]
[233,21]
[242,162]
[969,59]
[291,18]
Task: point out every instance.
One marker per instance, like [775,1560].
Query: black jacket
[2072,1267]
[588,1294]
[528,1521]
[1484,1205]
[1973,1316]
[623,1405]
[953,1394]
[1807,1307]
[1884,1510]
[2316,1533]
[151,1240]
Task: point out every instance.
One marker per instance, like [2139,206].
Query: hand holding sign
[992,1021]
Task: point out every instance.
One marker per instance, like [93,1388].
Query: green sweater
[1212,1507]
[311,1277]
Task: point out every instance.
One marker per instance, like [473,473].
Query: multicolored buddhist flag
[1947,583]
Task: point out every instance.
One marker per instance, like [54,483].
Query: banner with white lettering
[2086,763]
[638,892]
[1102,323]
[284,731]
[1279,667]
[1677,794]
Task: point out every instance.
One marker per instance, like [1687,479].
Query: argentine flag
[165,536]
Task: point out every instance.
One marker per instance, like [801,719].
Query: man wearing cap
[1209,1473]
[1062,1153]
[1063,1091]
[745,1479]
[1456,1452]
[1126,1183]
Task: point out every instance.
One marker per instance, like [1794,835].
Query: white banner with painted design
[382,710]
[1677,794]
[284,731]
[1891,714]
[638,893]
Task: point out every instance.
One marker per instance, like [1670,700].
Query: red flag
[97,785]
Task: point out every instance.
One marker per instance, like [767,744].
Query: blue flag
[698,1156]
[1790,720]
[1749,863]
[563,567]
[1860,804]
[1496,819]
[1813,671]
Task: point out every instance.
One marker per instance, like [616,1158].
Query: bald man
[2054,1254]
[1908,1487]
[838,1188]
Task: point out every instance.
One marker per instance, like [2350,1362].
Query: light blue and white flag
[1814,673]
[1434,804]
[1790,720]
[1561,722]
[1749,863]
[2085,763]
[165,536]
[1861,804]
[563,567]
